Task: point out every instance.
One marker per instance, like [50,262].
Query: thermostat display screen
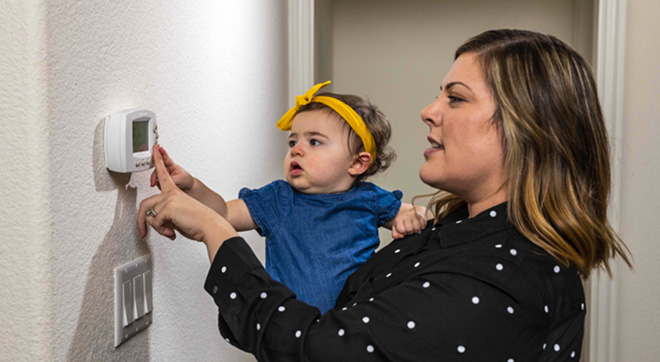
[140,136]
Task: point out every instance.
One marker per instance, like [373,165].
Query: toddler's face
[318,158]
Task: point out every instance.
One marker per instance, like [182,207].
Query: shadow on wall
[95,333]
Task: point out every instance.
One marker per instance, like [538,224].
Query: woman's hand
[172,210]
[182,179]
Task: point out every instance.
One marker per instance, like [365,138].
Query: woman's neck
[477,207]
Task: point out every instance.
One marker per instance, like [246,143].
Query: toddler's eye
[314,142]
[292,143]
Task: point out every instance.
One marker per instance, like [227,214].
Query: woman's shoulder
[504,259]
[561,285]
[508,258]
[516,267]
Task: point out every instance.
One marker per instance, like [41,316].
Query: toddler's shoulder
[376,190]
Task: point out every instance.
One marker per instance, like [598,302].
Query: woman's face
[466,155]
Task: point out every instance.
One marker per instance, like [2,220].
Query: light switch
[138,300]
[148,304]
[127,303]
[133,298]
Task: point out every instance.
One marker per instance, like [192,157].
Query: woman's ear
[360,164]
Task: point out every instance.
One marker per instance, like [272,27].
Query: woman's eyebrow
[452,84]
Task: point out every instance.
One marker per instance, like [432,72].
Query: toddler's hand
[409,221]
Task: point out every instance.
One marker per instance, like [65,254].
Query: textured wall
[215,74]
[25,215]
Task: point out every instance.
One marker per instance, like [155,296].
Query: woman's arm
[173,210]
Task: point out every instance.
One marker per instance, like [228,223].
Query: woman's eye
[454,99]
[292,144]
[314,142]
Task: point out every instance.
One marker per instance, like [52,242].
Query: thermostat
[129,138]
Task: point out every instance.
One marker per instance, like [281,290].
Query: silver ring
[152,212]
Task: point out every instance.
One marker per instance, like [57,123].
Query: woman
[519,154]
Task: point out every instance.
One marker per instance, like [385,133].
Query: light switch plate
[133,298]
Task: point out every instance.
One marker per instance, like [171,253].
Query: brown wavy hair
[376,122]
[557,157]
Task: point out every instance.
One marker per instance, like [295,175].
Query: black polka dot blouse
[462,290]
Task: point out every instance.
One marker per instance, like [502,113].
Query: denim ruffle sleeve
[387,204]
[267,205]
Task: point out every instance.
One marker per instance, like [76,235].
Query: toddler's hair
[376,122]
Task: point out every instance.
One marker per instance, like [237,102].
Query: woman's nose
[431,114]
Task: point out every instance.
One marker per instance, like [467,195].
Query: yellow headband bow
[347,113]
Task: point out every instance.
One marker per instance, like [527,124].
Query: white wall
[638,324]
[214,72]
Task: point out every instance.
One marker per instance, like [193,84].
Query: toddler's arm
[409,220]
[235,211]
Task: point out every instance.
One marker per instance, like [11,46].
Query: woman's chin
[426,174]
[434,179]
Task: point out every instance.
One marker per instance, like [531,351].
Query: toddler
[321,223]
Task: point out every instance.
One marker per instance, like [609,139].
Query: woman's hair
[556,150]
[376,122]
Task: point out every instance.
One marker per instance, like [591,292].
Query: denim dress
[315,241]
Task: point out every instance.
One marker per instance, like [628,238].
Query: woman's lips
[435,147]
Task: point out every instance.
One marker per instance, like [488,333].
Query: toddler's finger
[417,227]
[410,226]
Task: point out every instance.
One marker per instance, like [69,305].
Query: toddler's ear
[360,164]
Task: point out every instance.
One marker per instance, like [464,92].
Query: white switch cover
[133,298]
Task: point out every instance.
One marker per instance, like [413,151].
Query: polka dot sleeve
[262,316]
